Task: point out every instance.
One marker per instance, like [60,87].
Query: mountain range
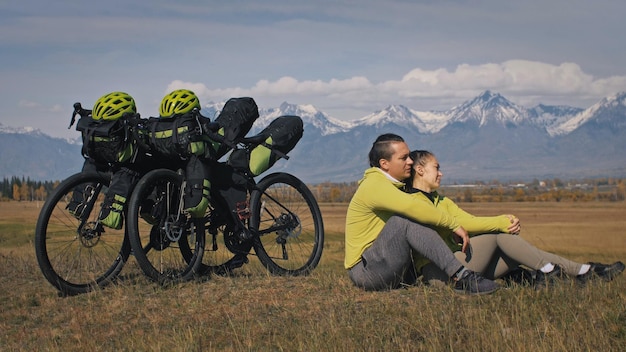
[485,138]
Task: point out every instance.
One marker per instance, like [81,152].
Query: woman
[496,249]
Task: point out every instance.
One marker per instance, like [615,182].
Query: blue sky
[347,58]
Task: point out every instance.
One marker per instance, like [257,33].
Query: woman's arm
[479,224]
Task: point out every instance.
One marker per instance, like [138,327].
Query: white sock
[547,268]
[460,273]
[584,269]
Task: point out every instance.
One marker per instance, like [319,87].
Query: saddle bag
[235,121]
[280,137]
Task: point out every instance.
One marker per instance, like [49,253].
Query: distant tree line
[25,189]
[602,189]
[551,190]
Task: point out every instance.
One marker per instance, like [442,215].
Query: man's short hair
[381,148]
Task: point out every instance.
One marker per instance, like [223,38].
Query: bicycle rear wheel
[75,252]
[167,243]
[288,222]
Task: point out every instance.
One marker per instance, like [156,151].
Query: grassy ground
[253,311]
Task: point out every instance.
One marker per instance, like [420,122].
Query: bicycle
[280,220]
[73,253]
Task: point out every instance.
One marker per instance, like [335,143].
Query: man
[383,228]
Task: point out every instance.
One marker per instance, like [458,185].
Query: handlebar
[78,110]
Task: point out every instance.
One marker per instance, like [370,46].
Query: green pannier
[197,187]
[122,184]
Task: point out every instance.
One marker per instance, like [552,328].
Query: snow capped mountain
[432,122]
[607,107]
[310,116]
[19,130]
[393,114]
[550,117]
[489,107]
[485,108]
[31,131]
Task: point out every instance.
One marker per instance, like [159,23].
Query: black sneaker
[606,272]
[471,283]
[519,276]
[544,280]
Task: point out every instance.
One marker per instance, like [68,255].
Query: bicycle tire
[287,225]
[167,244]
[77,256]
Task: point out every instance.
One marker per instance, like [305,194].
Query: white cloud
[32,105]
[516,79]
[57,108]
[28,104]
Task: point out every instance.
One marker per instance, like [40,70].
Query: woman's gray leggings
[388,262]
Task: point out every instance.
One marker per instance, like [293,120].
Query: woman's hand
[515,226]
[462,237]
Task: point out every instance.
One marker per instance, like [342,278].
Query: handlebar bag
[281,136]
[175,138]
[107,142]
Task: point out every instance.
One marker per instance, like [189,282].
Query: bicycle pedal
[243,210]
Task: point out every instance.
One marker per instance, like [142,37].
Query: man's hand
[462,237]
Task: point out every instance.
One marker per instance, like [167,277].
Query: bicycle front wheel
[167,243]
[287,224]
[75,252]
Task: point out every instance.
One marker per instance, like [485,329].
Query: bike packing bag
[77,203]
[281,136]
[175,138]
[198,186]
[229,191]
[107,142]
[122,184]
[235,121]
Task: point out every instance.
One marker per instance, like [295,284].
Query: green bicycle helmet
[178,102]
[112,106]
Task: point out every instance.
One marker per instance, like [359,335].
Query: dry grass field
[253,311]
